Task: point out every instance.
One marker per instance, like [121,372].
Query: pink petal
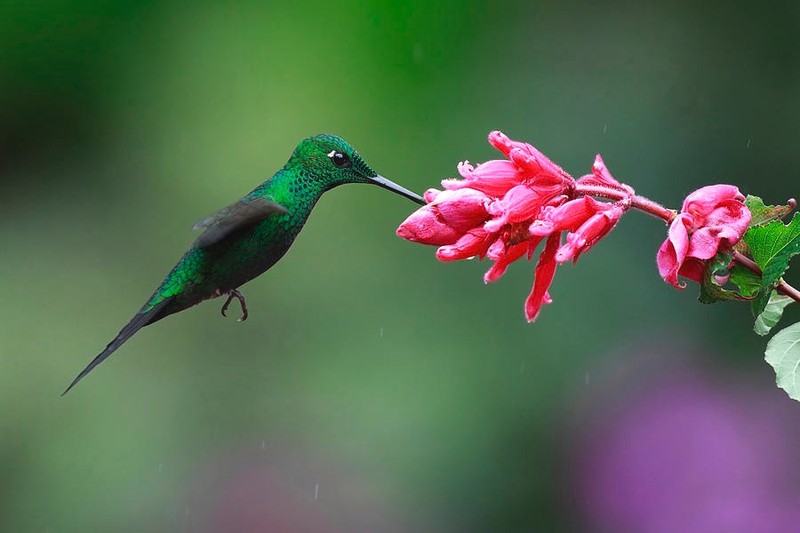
[571,215]
[472,244]
[520,203]
[703,201]
[673,251]
[536,165]
[503,144]
[506,258]
[425,226]
[431,194]
[601,176]
[463,209]
[721,279]
[525,156]
[492,177]
[446,218]
[590,232]
[496,224]
[496,169]
[542,228]
[568,216]
[496,250]
[545,272]
[731,215]
[693,269]
[704,243]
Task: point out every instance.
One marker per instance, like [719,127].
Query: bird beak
[392,186]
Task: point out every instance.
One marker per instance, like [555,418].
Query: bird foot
[239,296]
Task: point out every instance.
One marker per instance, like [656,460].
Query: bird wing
[234,218]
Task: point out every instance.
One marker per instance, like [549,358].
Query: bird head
[334,162]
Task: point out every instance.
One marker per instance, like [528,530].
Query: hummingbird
[245,239]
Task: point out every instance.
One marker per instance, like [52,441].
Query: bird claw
[239,296]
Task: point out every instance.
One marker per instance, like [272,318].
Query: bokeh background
[372,388]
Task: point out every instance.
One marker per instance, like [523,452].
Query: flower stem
[751,265]
[789,291]
[667,215]
[637,202]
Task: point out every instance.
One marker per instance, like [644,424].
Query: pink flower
[601,176]
[591,230]
[503,209]
[473,243]
[526,164]
[523,202]
[713,218]
[526,156]
[446,218]
[545,272]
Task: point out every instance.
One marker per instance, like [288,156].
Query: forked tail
[139,321]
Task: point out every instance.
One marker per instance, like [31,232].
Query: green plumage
[245,239]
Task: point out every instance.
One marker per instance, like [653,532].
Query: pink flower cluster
[713,218]
[503,209]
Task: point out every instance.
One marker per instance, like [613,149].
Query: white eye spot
[339,159]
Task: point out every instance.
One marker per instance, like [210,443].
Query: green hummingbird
[246,238]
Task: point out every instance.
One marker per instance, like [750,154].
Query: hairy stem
[667,215]
[637,202]
[751,265]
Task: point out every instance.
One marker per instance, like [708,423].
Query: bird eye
[339,159]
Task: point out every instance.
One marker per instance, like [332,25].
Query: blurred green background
[372,388]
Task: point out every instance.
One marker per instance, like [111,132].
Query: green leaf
[772,313]
[764,214]
[760,302]
[772,246]
[783,354]
[710,290]
[749,283]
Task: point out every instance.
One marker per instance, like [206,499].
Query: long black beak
[402,191]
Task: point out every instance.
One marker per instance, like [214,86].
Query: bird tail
[140,320]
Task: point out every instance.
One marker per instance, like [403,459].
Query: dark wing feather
[138,321]
[234,218]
